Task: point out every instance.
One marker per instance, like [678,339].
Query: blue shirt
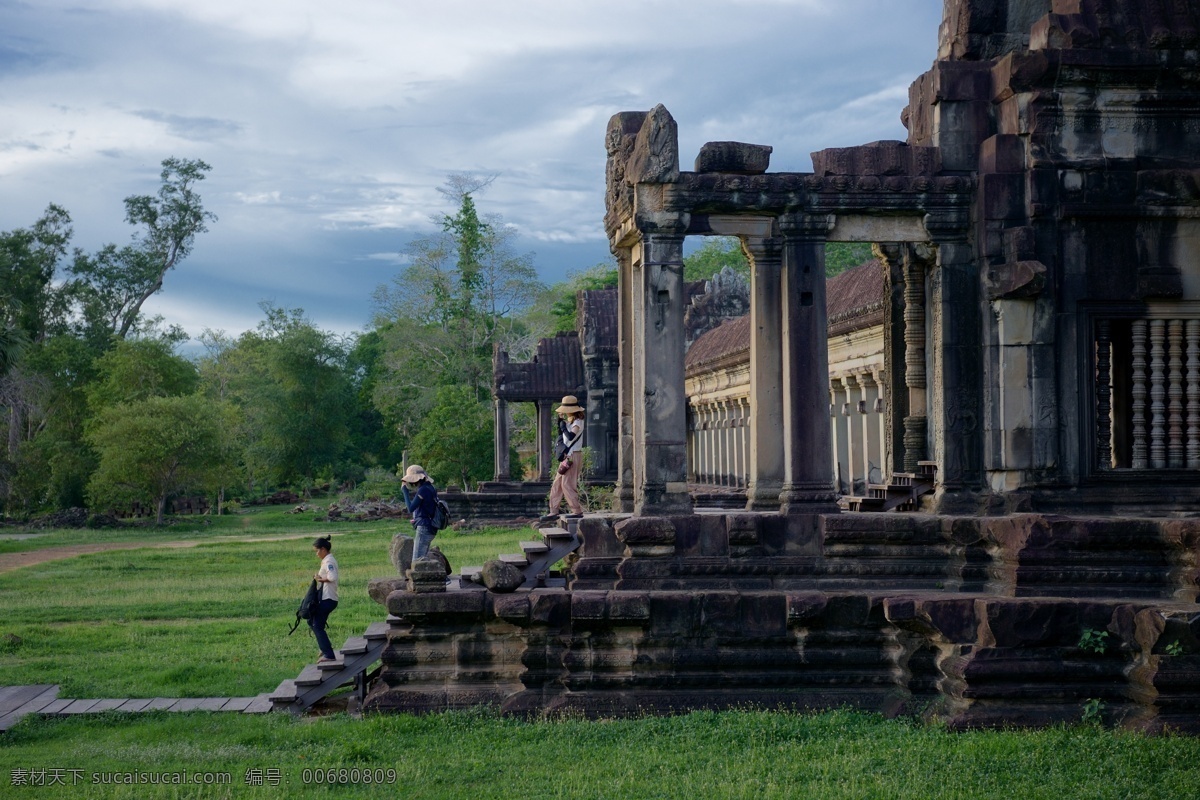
[421,504]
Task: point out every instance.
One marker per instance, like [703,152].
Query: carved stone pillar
[880,407]
[660,424]
[1141,448]
[916,423]
[1193,393]
[545,437]
[1158,394]
[623,491]
[1103,394]
[805,334]
[849,417]
[503,467]
[866,386]
[837,444]
[766,464]
[1176,446]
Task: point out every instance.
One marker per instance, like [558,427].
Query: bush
[377,484]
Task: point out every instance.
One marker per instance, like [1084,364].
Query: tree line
[101,410]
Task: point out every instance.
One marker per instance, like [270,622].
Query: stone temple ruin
[1039,242]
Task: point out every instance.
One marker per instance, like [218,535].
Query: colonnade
[858,427]
[718,442]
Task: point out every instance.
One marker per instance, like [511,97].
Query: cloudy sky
[329,126]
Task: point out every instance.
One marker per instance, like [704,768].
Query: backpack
[441,515]
[308,606]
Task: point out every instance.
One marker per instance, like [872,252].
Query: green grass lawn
[212,621]
[255,521]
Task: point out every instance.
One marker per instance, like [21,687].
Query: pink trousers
[567,485]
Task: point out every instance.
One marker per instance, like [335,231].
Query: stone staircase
[317,681]
[534,561]
[902,494]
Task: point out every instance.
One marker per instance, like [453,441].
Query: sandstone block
[426,575]
[501,577]
[380,588]
[735,157]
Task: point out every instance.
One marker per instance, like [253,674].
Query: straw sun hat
[414,474]
[569,405]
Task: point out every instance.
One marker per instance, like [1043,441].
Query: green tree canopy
[152,449]
[293,396]
[139,368]
[454,441]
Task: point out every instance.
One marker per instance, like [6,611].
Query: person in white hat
[566,479]
[422,504]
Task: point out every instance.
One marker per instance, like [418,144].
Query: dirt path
[11,561]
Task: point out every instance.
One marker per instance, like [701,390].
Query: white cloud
[330,126]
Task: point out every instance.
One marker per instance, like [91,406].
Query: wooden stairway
[902,494]
[534,560]
[317,681]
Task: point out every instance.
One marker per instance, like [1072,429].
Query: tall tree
[292,393]
[34,302]
[153,448]
[460,294]
[115,282]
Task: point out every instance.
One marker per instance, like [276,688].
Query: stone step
[285,692]
[516,559]
[378,630]
[535,547]
[310,676]
[355,645]
[470,574]
[555,533]
[331,666]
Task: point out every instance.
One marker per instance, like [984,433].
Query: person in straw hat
[422,503]
[566,479]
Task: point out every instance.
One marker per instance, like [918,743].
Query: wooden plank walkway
[19,701]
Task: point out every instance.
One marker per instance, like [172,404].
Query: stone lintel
[757,226]
[877,228]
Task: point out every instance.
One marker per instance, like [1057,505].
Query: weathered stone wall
[979,621]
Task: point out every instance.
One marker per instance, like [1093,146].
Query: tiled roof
[598,318]
[557,369]
[854,300]
[727,339]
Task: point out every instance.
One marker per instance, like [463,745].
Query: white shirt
[575,427]
[329,571]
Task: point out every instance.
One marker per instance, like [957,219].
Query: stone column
[852,444]
[766,462]
[837,441]
[916,423]
[956,369]
[866,383]
[545,437]
[623,491]
[660,422]
[805,334]
[503,467]
[881,410]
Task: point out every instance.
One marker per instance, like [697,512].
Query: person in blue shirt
[420,496]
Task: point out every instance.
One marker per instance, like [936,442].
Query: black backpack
[441,515]
[308,606]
